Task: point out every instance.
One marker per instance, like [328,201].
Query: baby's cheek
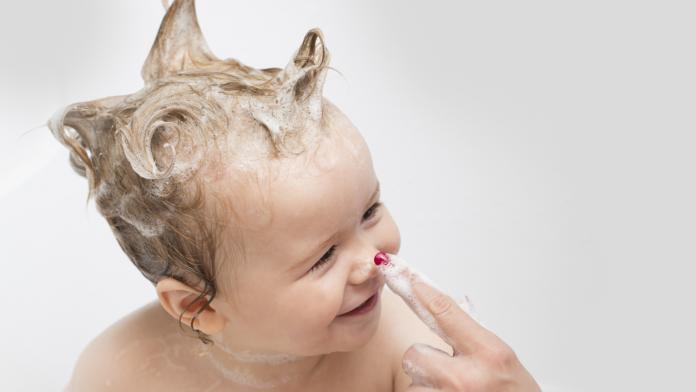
[316,305]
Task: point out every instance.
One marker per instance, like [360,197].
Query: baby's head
[244,196]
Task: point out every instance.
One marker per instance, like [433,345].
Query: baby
[251,203]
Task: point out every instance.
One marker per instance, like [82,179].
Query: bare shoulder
[406,329]
[112,361]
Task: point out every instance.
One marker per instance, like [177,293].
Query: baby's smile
[365,307]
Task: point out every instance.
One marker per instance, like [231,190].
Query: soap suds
[244,376]
[400,278]
[417,374]
[257,357]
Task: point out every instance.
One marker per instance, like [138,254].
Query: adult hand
[481,361]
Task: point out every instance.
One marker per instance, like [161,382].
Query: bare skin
[273,303]
[159,357]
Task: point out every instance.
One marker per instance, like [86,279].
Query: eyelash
[327,256]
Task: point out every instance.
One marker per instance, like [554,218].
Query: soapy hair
[148,156]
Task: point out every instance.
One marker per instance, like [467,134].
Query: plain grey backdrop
[537,156]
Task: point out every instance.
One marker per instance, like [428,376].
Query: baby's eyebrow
[324,243]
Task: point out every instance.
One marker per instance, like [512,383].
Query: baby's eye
[327,256]
[324,259]
[371,211]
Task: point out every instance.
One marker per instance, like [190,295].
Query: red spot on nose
[381,258]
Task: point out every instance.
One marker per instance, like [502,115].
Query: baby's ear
[303,77]
[183,301]
[179,44]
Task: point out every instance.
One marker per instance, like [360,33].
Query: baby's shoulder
[403,329]
[123,355]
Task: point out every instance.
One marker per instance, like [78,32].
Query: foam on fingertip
[417,374]
[400,278]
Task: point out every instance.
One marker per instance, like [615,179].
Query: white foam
[417,374]
[254,356]
[245,377]
[147,225]
[400,277]
[259,357]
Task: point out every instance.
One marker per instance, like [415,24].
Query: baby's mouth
[364,307]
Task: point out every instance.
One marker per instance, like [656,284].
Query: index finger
[435,308]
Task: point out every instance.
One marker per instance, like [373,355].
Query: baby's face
[309,237]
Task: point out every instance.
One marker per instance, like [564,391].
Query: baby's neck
[249,370]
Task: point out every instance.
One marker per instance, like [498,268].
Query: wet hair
[148,156]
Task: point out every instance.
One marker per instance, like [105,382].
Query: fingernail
[381,258]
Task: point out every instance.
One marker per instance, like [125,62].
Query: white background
[537,155]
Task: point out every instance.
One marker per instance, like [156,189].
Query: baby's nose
[364,271]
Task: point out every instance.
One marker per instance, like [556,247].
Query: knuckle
[449,383]
[466,379]
[500,356]
[472,382]
[457,382]
[475,385]
[440,304]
